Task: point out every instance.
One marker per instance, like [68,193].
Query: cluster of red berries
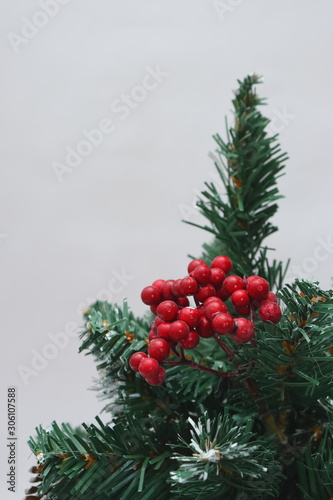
[178,323]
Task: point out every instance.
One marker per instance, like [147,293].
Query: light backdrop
[108,109]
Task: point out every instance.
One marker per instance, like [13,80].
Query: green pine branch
[224,459]
[213,456]
[102,462]
[264,433]
[112,334]
[315,470]
[292,364]
[248,164]
[290,396]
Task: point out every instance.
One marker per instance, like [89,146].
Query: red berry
[158,283]
[204,292]
[213,298]
[153,309]
[195,263]
[223,323]
[167,310]
[163,330]
[176,289]
[156,323]
[272,297]
[217,277]
[189,315]
[250,278]
[149,367]
[178,330]
[214,308]
[258,288]
[166,290]
[270,311]
[204,328]
[188,286]
[159,349]
[202,274]
[182,302]
[240,298]
[136,359]
[222,294]
[223,262]
[152,335]
[191,341]
[243,311]
[233,283]
[160,377]
[151,295]
[201,310]
[244,331]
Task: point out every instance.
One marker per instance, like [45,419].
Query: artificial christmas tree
[219,392]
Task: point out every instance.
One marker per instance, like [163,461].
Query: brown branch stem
[195,365]
[226,349]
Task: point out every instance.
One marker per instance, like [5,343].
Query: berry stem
[252,313]
[175,352]
[252,319]
[210,370]
[181,352]
[200,367]
[224,346]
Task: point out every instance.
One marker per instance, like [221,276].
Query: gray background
[119,212]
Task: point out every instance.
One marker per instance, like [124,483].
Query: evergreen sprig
[315,471]
[225,458]
[292,364]
[248,164]
[111,335]
[264,433]
[101,462]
